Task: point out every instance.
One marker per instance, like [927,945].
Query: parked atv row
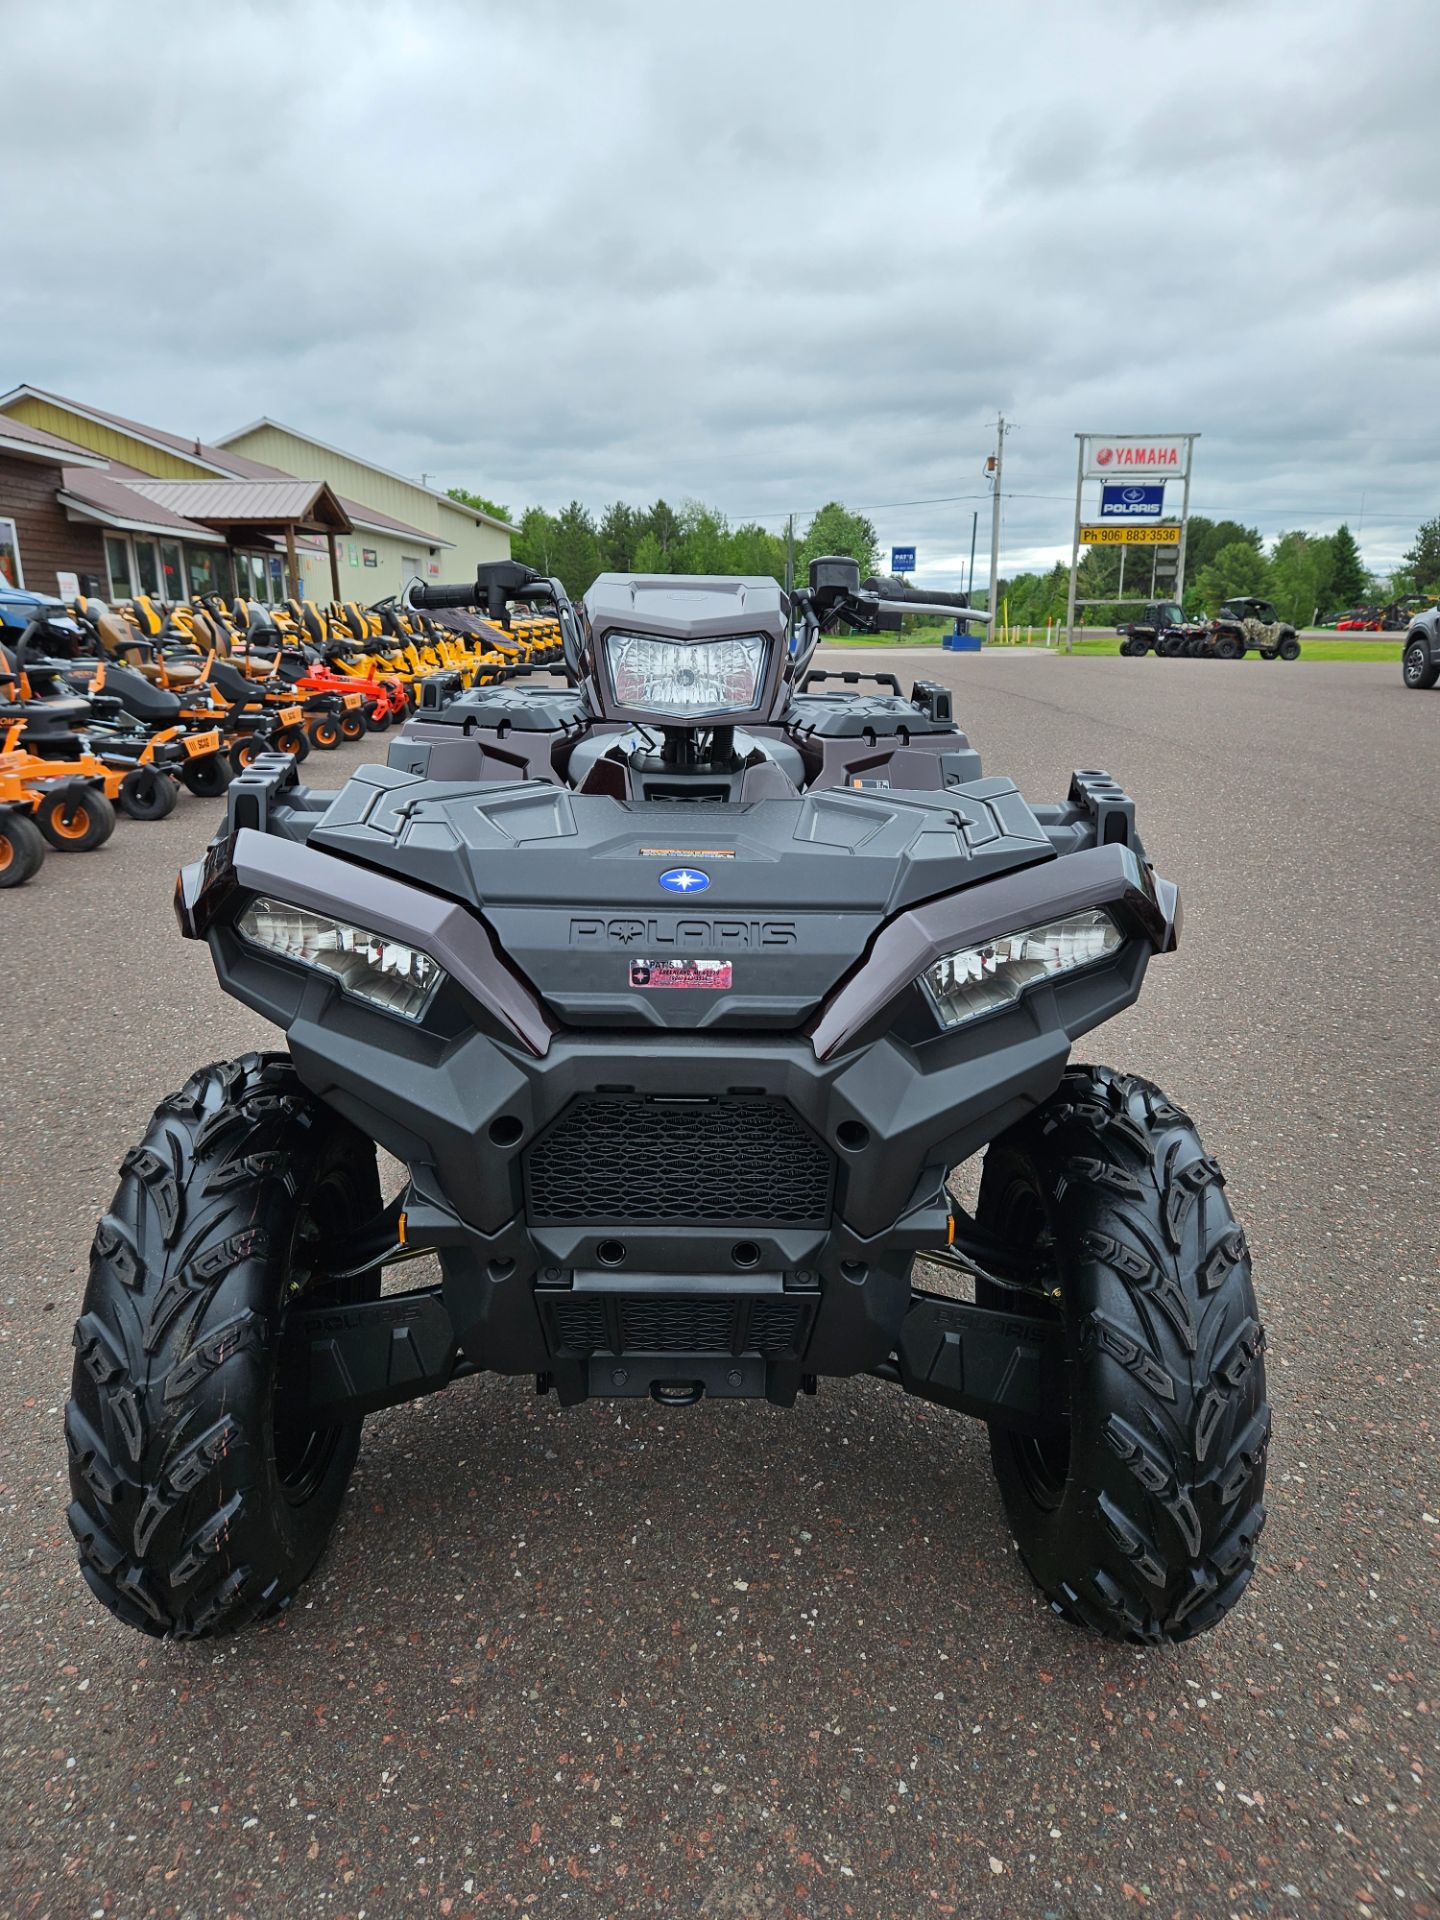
[1243,625]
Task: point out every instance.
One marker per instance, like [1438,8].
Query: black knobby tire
[1141,1523]
[199,1500]
[208,775]
[146,794]
[1227,647]
[377,719]
[1289,648]
[1419,670]
[76,822]
[22,848]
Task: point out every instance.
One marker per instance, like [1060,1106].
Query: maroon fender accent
[462,944]
[912,941]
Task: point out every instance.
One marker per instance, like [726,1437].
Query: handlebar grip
[423,596]
[919,596]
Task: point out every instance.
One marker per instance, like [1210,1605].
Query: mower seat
[47,717]
[157,706]
[232,685]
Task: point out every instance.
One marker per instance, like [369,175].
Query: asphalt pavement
[735,1661]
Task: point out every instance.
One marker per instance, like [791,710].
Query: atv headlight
[372,966]
[979,980]
[686,679]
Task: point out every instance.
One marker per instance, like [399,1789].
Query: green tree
[1237,568]
[662,522]
[535,543]
[1301,570]
[480,503]
[575,554]
[752,550]
[704,539]
[619,532]
[650,556]
[1207,538]
[1348,578]
[1423,559]
[834,530]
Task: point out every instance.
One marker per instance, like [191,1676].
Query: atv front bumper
[633,1212]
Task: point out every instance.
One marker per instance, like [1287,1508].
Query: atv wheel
[147,795]
[201,1497]
[22,848]
[325,733]
[1141,1522]
[1290,648]
[1419,669]
[208,776]
[352,725]
[76,822]
[1227,647]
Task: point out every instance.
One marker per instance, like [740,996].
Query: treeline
[1307,575]
[574,546]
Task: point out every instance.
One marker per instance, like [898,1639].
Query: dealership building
[265,512]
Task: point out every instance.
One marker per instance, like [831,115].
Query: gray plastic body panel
[570,885]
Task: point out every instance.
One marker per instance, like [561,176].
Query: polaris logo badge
[673,930]
[684,880]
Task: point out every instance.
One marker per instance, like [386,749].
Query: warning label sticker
[716,975]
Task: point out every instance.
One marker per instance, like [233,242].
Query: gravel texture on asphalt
[735,1661]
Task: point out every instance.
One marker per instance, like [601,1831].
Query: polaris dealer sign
[1142,459]
[1119,502]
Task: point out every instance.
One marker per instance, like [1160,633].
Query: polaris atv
[680,991]
[1420,657]
[1162,627]
[1247,622]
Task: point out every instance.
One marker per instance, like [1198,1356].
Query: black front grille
[637,1324]
[611,1161]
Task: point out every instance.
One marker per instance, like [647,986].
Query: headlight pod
[978,980]
[685,680]
[387,973]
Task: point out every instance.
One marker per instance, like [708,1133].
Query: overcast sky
[760,254]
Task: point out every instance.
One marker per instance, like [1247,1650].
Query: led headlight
[372,966]
[979,980]
[686,679]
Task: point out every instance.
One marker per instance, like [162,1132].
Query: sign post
[1132,470]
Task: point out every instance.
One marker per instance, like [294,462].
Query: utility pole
[996,463]
[790,554]
[1080,440]
[970,577]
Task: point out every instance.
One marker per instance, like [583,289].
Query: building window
[117,561]
[204,573]
[147,568]
[11,571]
[172,571]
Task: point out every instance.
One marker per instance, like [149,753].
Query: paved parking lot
[739,1662]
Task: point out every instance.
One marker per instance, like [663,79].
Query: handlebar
[422,596]
[919,597]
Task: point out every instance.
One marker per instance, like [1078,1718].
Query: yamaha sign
[1146,459]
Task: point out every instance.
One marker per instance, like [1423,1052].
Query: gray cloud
[764,254]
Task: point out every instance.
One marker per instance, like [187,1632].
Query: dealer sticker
[714,975]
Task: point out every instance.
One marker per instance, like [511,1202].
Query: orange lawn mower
[62,802]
